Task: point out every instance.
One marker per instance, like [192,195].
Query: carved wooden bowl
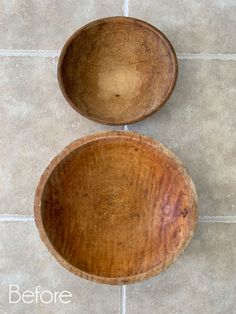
[116,207]
[117,70]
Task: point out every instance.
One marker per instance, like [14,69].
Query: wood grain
[116,207]
[117,70]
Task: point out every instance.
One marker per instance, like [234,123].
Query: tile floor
[197,123]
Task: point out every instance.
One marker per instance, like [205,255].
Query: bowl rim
[118,18]
[104,135]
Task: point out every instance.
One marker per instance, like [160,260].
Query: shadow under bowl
[116,207]
[117,70]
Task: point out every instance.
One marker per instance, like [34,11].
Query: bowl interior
[117,70]
[117,208]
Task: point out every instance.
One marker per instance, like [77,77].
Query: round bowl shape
[117,70]
[116,207]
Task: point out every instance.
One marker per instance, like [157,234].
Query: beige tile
[36,124]
[47,24]
[198,124]
[24,261]
[192,26]
[201,281]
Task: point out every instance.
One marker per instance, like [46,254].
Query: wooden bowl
[117,70]
[116,207]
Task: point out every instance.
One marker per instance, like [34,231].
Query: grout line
[220,219]
[202,219]
[30,53]
[207,56]
[56,53]
[122,299]
[16,217]
[125,7]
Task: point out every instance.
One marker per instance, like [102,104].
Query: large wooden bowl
[117,70]
[116,207]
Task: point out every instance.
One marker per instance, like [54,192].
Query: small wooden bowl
[117,70]
[116,207]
